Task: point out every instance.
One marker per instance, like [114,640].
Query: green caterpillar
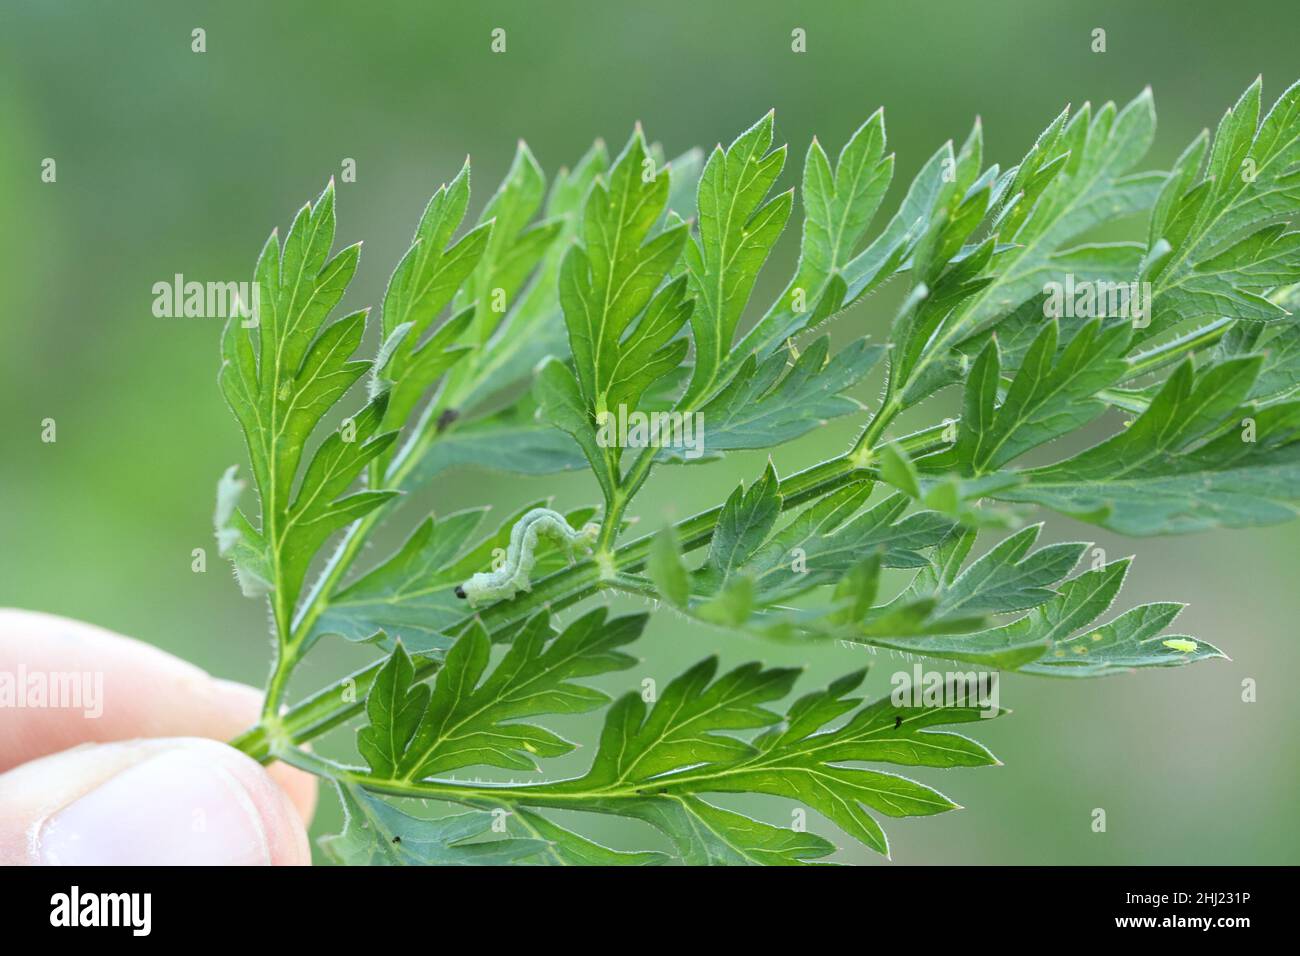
[512,577]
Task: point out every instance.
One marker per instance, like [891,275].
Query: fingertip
[138,691]
[168,802]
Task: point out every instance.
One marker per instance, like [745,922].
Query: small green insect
[512,577]
[1180,644]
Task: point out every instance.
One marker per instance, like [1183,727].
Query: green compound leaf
[1216,238]
[1062,638]
[280,379]
[628,288]
[746,520]
[839,548]
[836,221]
[686,724]
[378,834]
[684,745]
[839,205]
[1078,175]
[1010,577]
[510,440]
[609,280]
[566,848]
[502,279]
[516,244]
[532,327]
[1051,394]
[653,763]
[805,763]
[705,835]
[1199,457]
[1133,639]
[754,568]
[774,402]
[738,227]
[423,284]
[473,717]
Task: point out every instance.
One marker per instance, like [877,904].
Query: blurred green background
[171,161]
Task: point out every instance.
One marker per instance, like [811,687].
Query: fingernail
[170,810]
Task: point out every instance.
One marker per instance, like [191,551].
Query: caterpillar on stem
[508,580]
